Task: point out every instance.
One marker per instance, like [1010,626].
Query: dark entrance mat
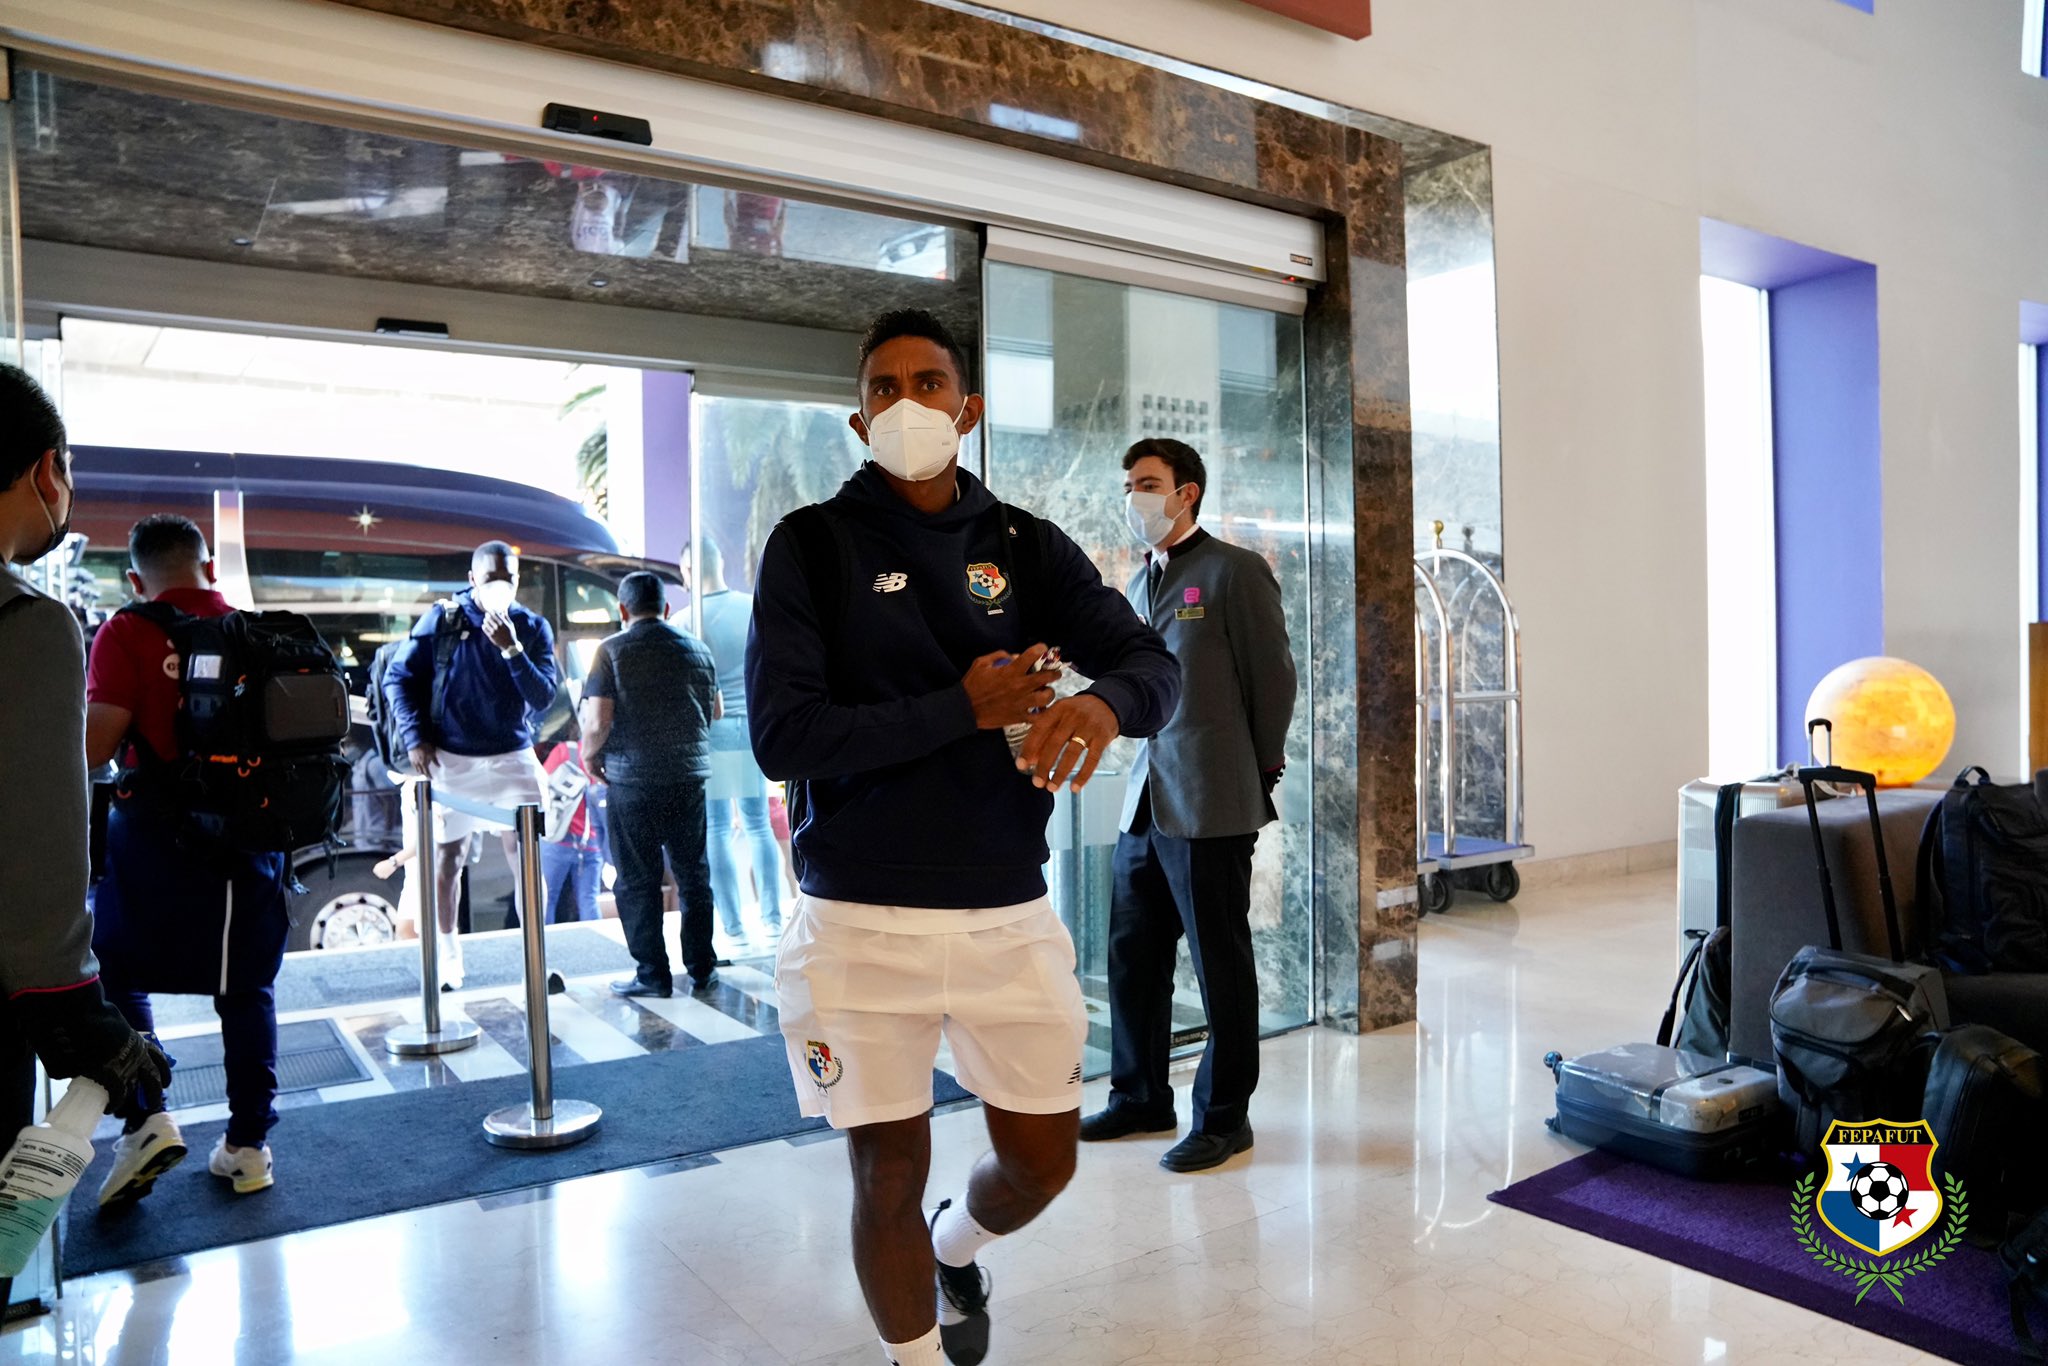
[1741,1232]
[310,1054]
[359,1158]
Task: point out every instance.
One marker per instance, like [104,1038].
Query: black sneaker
[963,1307]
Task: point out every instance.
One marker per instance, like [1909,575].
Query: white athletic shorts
[506,781]
[865,991]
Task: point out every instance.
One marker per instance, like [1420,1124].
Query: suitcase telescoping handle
[1813,756]
[1849,777]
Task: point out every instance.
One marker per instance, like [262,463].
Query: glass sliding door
[1077,370]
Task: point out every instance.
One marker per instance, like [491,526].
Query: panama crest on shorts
[826,1070]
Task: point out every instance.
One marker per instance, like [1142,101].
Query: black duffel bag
[1983,1091]
[1854,1034]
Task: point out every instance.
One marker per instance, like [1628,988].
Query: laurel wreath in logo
[1863,1270]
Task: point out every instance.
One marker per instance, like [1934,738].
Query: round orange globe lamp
[1891,718]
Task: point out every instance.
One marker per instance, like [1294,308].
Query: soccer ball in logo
[1880,1190]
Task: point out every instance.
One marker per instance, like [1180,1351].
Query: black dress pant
[17,1100]
[1165,888]
[646,820]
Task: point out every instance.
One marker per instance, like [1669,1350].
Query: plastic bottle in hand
[41,1168]
[1021,732]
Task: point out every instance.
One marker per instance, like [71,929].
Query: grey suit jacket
[1218,608]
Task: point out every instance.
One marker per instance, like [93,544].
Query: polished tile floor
[1357,1231]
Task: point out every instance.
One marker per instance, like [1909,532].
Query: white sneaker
[449,947]
[249,1169]
[140,1158]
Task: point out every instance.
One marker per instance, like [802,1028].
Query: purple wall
[665,415]
[1830,490]
[1867,6]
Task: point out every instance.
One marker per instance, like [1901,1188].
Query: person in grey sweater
[1199,793]
[51,1006]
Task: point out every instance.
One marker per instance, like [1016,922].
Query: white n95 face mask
[496,596]
[914,442]
[1145,515]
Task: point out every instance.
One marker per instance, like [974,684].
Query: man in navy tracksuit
[897,633]
[478,744]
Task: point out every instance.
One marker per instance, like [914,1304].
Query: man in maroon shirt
[174,911]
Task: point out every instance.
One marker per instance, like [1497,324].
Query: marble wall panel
[1457,453]
[949,68]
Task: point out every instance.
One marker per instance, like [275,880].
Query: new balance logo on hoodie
[891,583]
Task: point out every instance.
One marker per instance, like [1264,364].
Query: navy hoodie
[907,802]
[488,701]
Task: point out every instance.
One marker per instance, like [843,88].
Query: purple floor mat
[1741,1232]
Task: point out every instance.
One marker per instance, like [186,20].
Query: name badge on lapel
[1191,609]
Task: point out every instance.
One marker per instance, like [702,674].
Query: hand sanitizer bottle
[1021,732]
[41,1168]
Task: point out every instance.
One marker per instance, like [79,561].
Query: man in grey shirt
[1200,792]
[51,1005]
[737,785]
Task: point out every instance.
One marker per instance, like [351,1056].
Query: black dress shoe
[700,985]
[1200,1151]
[1121,1121]
[633,986]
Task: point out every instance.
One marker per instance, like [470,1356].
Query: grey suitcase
[1688,1113]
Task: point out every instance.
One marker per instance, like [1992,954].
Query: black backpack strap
[1685,974]
[173,623]
[1727,807]
[1026,535]
[1929,867]
[447,636]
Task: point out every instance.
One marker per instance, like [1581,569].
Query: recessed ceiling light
[245,241]
[598,282]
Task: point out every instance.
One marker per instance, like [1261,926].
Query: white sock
[924,1352]
[956,1238]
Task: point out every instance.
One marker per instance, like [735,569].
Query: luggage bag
[1854,1034]
[1697,1116]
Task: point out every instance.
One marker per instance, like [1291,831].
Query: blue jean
[725,872]
[569,878]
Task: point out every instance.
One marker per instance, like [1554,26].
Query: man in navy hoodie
[899,632]
[475,739]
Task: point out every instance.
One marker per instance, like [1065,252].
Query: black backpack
[1984,876]
[1696,1021]
[391,750]
[262,712]
[1699,1017]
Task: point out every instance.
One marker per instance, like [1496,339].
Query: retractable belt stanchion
[432,1034]
[543,1122]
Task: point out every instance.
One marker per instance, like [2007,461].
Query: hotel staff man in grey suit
[1200,792]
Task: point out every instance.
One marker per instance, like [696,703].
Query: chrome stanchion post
[542,1122]
[432,1035]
